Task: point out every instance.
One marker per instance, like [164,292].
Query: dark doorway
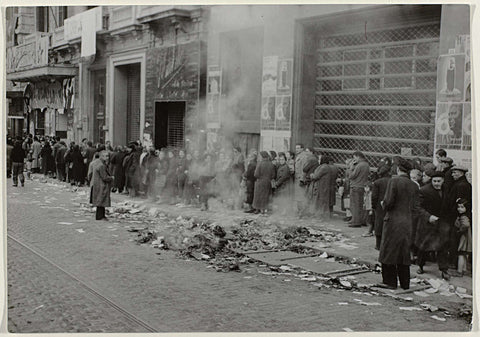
[126,121]
[169,124]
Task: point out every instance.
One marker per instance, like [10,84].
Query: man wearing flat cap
[461,188]
[401,204]
[433,232]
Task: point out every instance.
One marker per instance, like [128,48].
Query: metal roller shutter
[176,128]
[133,103]
[377,95]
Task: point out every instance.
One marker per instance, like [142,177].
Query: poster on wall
[214,77]
[451,78]
[281,141]
[266,140]
[284,77]
[268,113]
[467,127]
[462,46]
[449,125]
[283,108]
[269,78]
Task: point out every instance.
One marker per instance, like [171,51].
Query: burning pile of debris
[249,235]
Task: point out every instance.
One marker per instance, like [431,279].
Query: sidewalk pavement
[353,247]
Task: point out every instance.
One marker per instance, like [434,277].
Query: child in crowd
[463,225]
[368,209]
[29,163]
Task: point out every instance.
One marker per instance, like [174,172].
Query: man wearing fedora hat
[460,188]
[401,204]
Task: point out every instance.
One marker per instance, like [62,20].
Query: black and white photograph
[239,168]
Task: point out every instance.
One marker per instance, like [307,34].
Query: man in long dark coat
[400,203]
[433,231]
[379,188]
[460,188]
[101,181]
[333,183]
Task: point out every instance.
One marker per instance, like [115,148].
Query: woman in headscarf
[264,173]
[249,179]
[320,205]
[77,166]
[47,160]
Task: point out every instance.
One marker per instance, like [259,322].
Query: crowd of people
[415,211]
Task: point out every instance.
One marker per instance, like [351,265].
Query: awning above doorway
[43,73]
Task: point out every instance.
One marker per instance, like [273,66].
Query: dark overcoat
[321,190]
[401,205]
[116,161]
[250,181]
[333,184]
[264,173]
[282,180]
[379,188]
[430,237]
[101,181]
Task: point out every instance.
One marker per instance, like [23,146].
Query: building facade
[118,73]
[337,78]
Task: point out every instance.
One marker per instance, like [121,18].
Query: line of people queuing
[415,211]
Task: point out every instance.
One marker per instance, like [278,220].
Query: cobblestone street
[70,273]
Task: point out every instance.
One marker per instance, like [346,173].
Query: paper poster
[213,112]
[449,125]
[451,78]
[213,81]
[283,108]
[467,128]
[281,143]
[269,78]
[214,85]
[268,113]
[284,77]
[212,139]
[266,140]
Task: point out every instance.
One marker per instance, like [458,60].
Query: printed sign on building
[451,78]
[283,108]
[285,76]
[214,78]
[453,125]
[268,113]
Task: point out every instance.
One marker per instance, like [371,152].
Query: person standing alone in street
[358,180]
[101,181]
[401,204]
[18,157]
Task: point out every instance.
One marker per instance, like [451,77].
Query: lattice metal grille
[377,95]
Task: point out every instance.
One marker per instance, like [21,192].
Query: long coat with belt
[264,173]
[379,187]
[400,204]
[430,237]
[321,190]
[101,181]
